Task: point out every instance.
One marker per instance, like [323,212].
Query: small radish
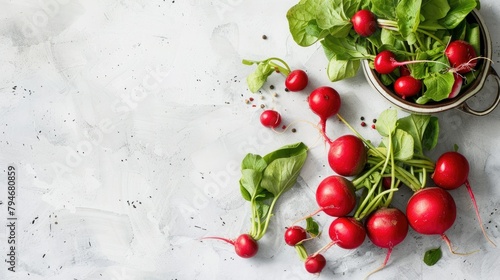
[407,86]
[457,85]
[432,210]
[315,263]
[461,56]
[386,228]
[294,235]
[404,71]
[385,62]
[347,155]
[270,118]
[345,232]
[364,23]
[245,246]
[451,172]
[386,183]
[296,80]
[324,102]
[335,196]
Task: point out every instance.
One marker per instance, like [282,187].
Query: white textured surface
[126,122]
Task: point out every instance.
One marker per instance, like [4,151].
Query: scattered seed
[287,90]
[374,120]
[275,94]
[262,106]
[264,37]
[271,86]
[373,126]
[251,98]
[362,118]
[283,127]
[247,101]
[363,124]
[294,130]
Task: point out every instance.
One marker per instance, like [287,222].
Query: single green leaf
[416,126]
[384,8]
[257,78]
[432,256]
[438,85]
[473,37]
[282,173]
[434,9]
[459,9]
[244,193]
[386,122]
[342,69]
[253,161]
[286,151]
[312,227]
[431,134]
[301,251]
[262,209]
[344,48]
[408,17]
[403,145]
[250,180]
[299,18]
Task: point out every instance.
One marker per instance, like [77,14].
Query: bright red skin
[364,23]
[315,263]
[324,102]
[347,232]
[387,227]
[385,62]
[407,86]
[336,196]
[294,235]
[245,246]
[404,71]
[431,210]
[457,85]
[459,54]
[270,118]
[297,80]
[451,171]
[347,155]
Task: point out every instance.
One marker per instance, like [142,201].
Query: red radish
[295,235]
[407,86]
[461,56]
[404,71]
[347,155]
[347,233]
[315,263]
[385,62]
[324,102]
[364,23]
[296,80]
[245,246]
[457,85]
[431,211]
[386,228]
[386,183]
[270,118]
[451,172]
[336,196]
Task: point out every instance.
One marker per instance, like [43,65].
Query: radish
[324,102]
[294,235]
[407,86]
[335,196]
[315,263]
[347,155]
[244,246]
[457,85]
[385,62]
[461,56]
[270,118]
[431,211]
[404,71]
[386,228]
[451,172]
[364,23]
[296,80]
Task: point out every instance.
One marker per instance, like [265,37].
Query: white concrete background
[126,122]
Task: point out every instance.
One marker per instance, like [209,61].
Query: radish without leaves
[347,233]
[296,80]
[324,102]
[244,246]
[364,23]
[270,118]
[386,228]
[336,196]
[451,172]
[315,263]
[430,211]
[294,235]
[407,86]
[347,155]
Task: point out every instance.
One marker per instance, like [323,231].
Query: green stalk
[374,204]
[285,70]
[356,182]
[262,231]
